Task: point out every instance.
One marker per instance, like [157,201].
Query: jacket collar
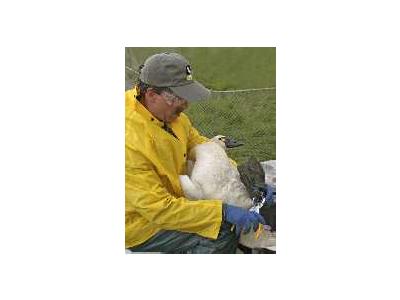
[147,115]
[141,110]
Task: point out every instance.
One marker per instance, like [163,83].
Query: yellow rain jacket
[154,159]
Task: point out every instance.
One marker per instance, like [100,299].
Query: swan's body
[212,175]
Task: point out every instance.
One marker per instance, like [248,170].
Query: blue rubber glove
[243,219]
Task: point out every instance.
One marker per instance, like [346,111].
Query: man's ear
[151,95]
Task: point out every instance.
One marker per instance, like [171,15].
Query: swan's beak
[231,143]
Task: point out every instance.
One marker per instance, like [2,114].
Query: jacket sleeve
[147,195]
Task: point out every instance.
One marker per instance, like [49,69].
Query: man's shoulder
[184,119]
[135,125]
[135,128]
[130,98]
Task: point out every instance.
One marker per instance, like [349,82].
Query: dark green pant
[168,241]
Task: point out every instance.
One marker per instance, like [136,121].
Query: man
[158,137]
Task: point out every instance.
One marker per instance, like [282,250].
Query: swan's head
[225,142]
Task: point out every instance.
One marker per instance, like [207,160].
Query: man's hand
[243,219]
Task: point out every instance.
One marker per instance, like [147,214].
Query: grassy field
[246,116]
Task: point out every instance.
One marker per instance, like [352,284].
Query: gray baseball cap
[172,70]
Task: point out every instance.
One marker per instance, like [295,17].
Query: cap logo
[189,73]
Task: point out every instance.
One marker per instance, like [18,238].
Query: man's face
[172,106]
[165,106]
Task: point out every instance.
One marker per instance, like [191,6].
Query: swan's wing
[189,167]
[191,189]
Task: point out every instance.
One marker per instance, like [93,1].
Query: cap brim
[192,92]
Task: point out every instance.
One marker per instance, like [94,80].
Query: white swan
[212,175]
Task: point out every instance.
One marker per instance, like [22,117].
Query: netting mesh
[248,117]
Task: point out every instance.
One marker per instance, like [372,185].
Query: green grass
[246,116]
